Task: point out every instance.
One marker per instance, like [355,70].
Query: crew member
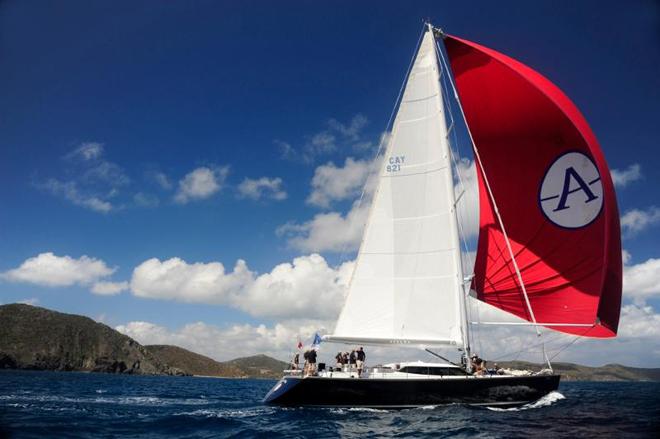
[361,356]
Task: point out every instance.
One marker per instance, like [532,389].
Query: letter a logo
[571,193]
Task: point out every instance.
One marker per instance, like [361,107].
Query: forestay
[408,277]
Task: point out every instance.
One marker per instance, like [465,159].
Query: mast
[458,260]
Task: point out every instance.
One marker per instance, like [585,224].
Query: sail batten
[407,278]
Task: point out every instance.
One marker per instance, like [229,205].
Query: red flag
[300,345]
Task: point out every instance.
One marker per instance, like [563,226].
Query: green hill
[37,338]
[257,366]
[576,372]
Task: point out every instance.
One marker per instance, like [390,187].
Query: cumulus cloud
[96,180]
[335,136]
[70,191]
[621,178]
[225,343]
[32,301]
[331,183]
[175,279]
[86,151]
[50,270]
[143,199]
[637,220]
[642,281]
[109,288]
[331,231]
[160,179]
[306,287]
[106,173]
[263,187]
[201,183]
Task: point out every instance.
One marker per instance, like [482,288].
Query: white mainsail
[408,282]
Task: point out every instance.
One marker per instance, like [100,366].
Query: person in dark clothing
[311,360]
[296,360]
[352,359]
[306,365]
[340,360]
[361,356]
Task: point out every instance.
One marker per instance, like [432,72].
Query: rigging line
[383,138]
[524,349]
[441,357]
[573,341]
[497,212]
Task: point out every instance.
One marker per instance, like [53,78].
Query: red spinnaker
[554,193]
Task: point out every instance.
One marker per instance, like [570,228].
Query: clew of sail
[552,187]
[408,278]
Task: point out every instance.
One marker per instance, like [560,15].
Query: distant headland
[35,338]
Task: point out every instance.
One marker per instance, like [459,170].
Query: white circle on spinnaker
[571,194]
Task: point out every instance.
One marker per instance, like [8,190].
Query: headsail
[553,190]
[407,280]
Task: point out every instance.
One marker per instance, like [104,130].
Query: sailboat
[548,250]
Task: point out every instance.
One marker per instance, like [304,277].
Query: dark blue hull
[370,392]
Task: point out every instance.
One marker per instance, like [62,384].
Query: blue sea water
[68,404]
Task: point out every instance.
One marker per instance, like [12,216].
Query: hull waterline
[341,392]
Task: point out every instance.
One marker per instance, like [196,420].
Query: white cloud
[263,187]
[329,140]
[225,343]
[622,177]
[161,180]
[306,287]
[69,190]
[109,288]
[95,180]
[198,282]
[143,199]
[32,301]
[332,183]
[50,270]
[86,151]
[329,231]
[468,191]
[636,220]
[642,281]
[201,183]
[352,130]
[107,173]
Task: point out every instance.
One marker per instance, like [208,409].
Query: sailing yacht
[548,251]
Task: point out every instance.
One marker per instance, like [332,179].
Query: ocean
[70,404]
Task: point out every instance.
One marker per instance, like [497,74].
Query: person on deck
[311,360]
[306,365]
[340,360]
[352,360]
[296,360]
[361,356]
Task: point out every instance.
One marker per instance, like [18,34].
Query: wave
[341,410]
[545,401]
[229,413]
[121,400]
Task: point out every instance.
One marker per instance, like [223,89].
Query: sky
[190,172]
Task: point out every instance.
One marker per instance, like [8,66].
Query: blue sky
[214,132]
